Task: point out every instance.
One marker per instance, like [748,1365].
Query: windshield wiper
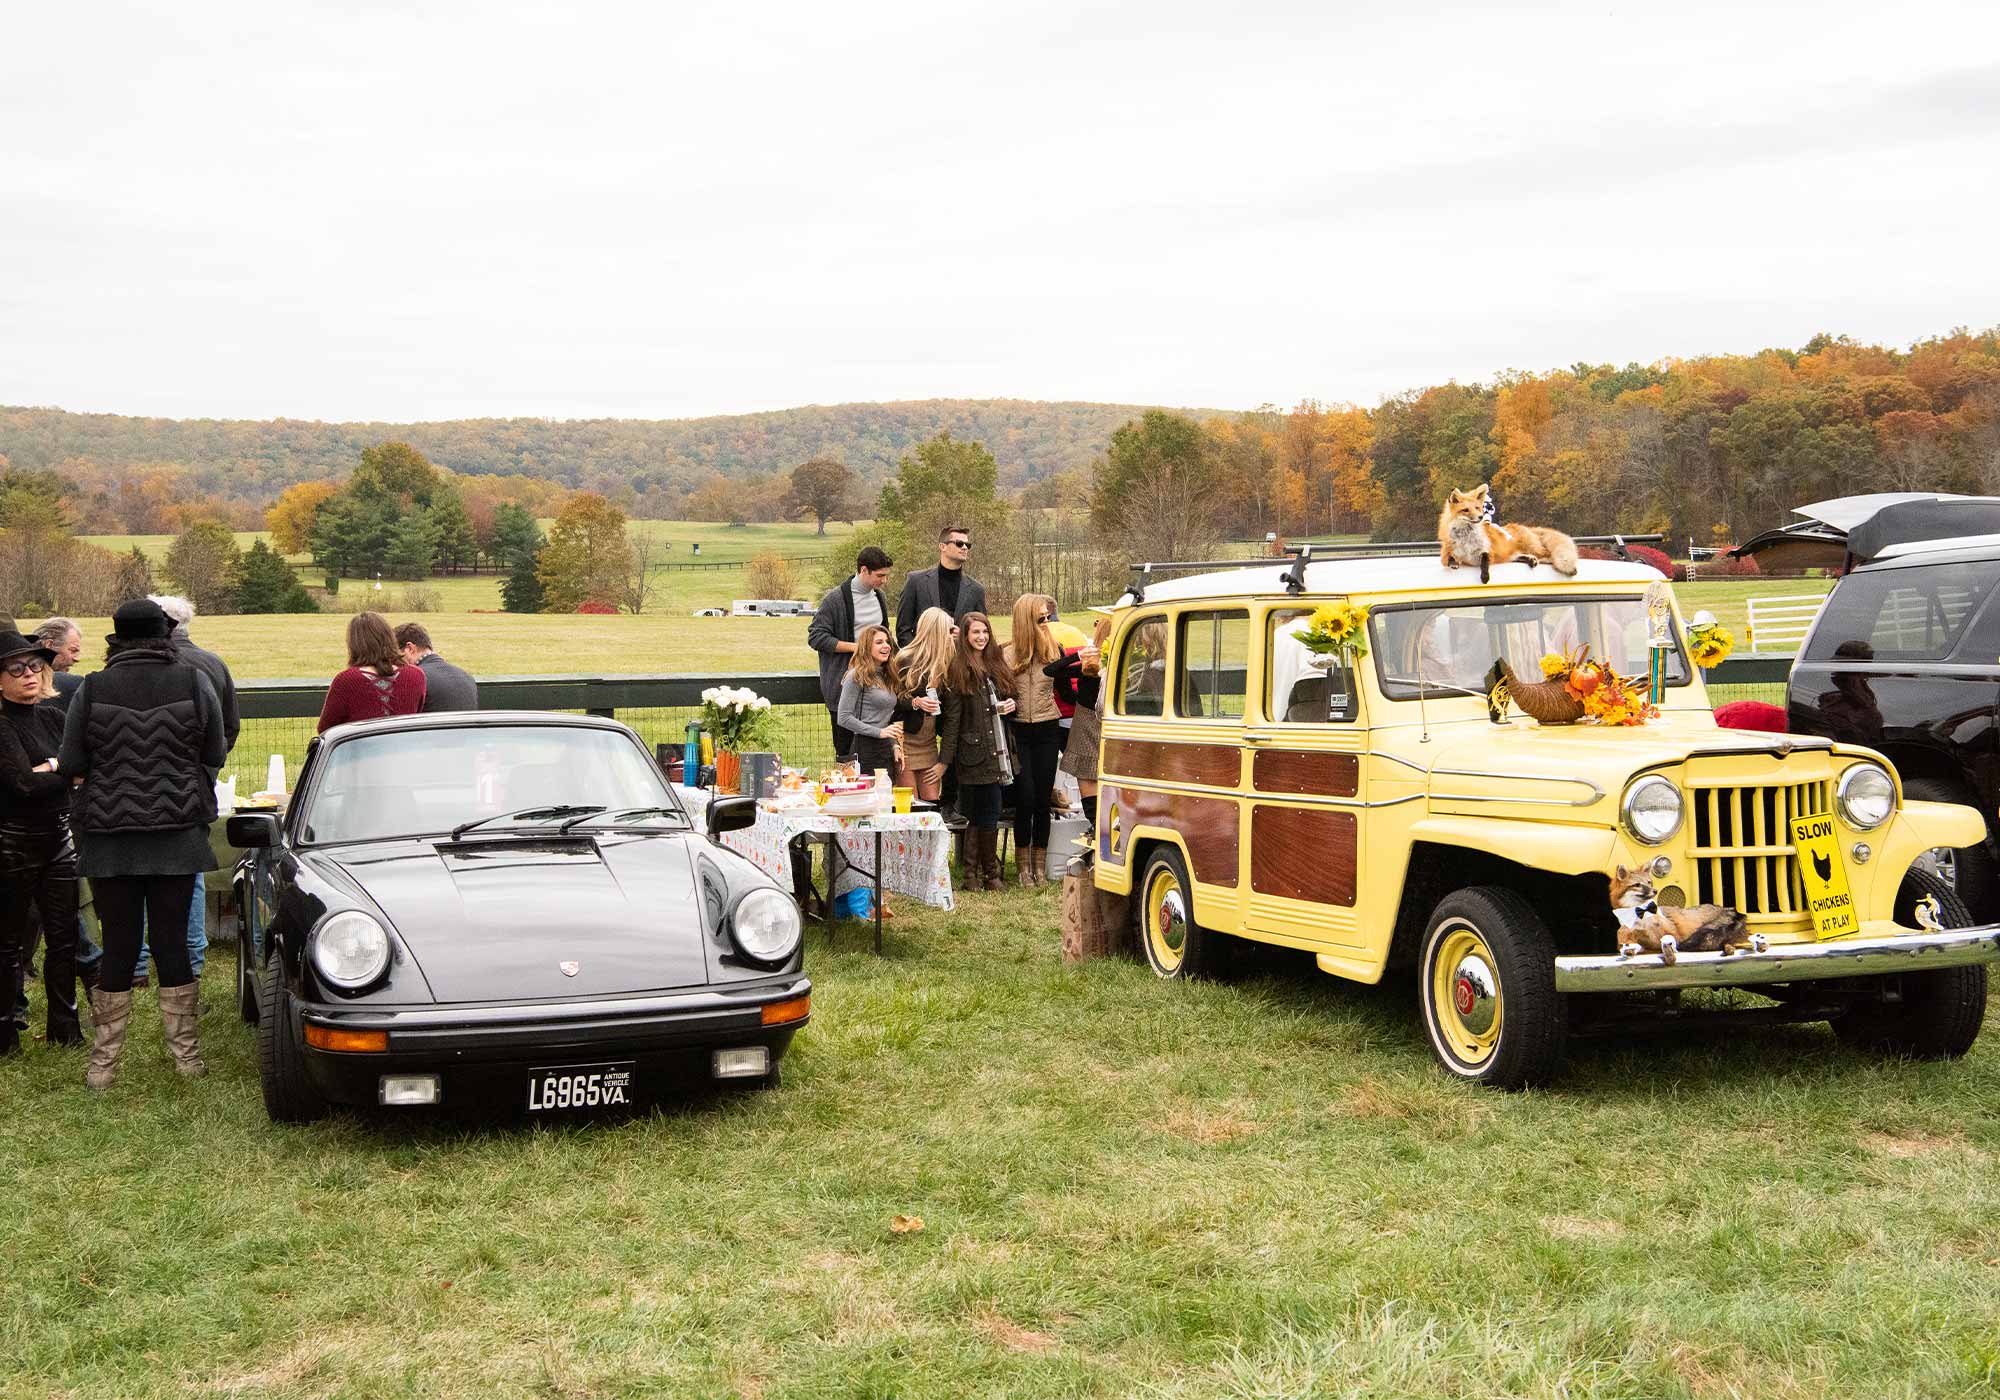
[619,812]
[542,813]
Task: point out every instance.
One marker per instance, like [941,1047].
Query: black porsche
[513,907]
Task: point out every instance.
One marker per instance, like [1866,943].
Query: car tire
[774,1080]
[1973,866]
[289,1096]
[1937,1015]
[1487,986]
[1176,947]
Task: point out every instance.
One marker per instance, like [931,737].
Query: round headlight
[765,926]
[1867,796]
[350,950]
[1652,810]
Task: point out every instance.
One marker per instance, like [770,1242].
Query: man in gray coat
[446,687]
[843,612]
[949,586]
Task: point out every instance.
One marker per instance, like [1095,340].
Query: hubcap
[1465,996]
[1167,920]
[1942,861]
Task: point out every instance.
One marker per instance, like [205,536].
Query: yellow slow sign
[1827,895]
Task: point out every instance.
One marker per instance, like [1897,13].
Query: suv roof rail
[1303,554]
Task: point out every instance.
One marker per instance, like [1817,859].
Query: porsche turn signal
[327,1038]
[782,1013]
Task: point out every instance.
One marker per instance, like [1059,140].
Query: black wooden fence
[280,717]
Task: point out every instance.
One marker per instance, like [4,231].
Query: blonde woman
[1037,730]
[924,665]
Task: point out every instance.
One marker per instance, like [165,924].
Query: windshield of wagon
[1451,646]
[426,781]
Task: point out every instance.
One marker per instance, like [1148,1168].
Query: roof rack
[1303,554]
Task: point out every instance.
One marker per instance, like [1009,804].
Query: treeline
[1709,448]
[153,475]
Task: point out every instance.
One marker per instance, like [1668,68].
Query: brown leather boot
[180,1015]
[989,860]
[109,1013]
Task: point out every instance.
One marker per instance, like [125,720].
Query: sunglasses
[17,669]
[960,544]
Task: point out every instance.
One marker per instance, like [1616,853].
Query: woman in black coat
[145,737]
[37,858]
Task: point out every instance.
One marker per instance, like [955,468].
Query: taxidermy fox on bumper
[1467,535]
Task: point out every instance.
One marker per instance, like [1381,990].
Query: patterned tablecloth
[916,849]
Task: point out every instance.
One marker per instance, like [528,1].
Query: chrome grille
[1743,853]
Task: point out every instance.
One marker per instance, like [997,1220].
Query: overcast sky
[421,211]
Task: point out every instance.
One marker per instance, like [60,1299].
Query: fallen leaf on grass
[907,1224]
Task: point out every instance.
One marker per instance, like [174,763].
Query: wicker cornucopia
[1548,702]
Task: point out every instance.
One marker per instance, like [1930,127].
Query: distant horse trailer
[770,607]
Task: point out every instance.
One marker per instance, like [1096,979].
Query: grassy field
[1252,1189]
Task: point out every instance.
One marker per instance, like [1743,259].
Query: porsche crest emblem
[570,969]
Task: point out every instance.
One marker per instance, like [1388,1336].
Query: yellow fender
[1564,850]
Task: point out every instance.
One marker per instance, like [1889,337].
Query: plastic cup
[902,796]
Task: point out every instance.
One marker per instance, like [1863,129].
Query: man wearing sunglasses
[950,585]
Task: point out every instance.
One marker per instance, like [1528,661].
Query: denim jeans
[197,934]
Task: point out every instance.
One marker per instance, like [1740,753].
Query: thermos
[691,755]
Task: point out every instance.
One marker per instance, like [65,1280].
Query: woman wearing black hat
[36,856]
[145,737]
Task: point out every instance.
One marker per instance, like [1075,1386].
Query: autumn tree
[941,476]
[202,564]
[134,578]
[1155,495]
[292,516]
[819,488]
[770,577]
[588,557]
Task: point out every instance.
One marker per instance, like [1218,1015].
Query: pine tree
[522,593]
[135,576]
[266,584]
[412,546]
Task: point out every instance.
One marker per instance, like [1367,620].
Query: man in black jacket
[949,586]
[446,687]
[843,612]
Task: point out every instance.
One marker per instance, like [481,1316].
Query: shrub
[1723,567]
[597,608]
[770,577]
[1646,554]
[417,599]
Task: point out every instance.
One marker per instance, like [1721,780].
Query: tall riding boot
[109,1012]
[1024,865]
[179,1016]
[989,858]
[1041,866]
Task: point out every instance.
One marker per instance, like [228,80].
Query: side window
[1142,669]
[1299,691]
[1913,614]
[1214,665]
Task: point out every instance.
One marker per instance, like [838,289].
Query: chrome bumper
[1789,962]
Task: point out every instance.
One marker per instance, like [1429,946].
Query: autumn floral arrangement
[1709,642]
[1337,630]
[1573,687]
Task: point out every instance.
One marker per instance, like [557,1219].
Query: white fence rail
[1780,624]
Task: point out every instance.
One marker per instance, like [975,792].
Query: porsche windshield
[1451,647]
[426,781]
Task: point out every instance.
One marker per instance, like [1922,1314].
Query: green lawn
[1254,1189]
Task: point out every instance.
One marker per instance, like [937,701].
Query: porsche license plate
[1825,877]
[580,1086]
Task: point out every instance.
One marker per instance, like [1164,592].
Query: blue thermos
[691,756]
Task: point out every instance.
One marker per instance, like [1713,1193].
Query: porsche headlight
[1867,795]
[765,927]
[350,950]
[1652,810]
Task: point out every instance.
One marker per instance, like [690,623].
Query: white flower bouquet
[738,717]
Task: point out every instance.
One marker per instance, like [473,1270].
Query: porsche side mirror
[252,831]
[731,814]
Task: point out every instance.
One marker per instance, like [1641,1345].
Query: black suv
[1905,658]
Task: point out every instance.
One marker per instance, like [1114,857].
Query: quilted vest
[143,720]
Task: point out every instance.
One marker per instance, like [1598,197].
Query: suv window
[1913,614]
[1453,645]
[1214,662]
[1300,691]
[1142,669]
